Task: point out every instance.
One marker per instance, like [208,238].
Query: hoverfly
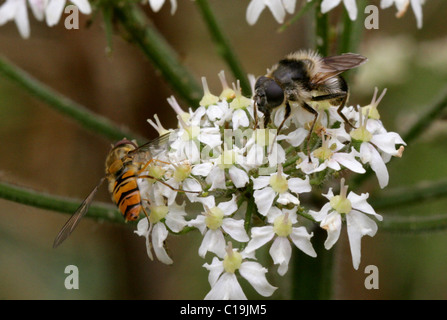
[124,165]
[301,79]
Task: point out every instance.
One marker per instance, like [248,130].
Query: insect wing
[153,148]
[333,66]
[74,220]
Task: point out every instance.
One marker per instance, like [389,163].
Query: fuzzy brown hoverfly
[301,79]
[124,164]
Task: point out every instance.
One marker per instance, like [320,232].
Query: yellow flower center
[158,213]
[341,204]
[279,183]
[232,261]
[282,226]
[182,172]
[214,218]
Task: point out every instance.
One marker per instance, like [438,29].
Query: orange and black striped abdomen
[126,195]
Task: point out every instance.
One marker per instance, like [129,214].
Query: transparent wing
[153,148]
[74,220]
[333,66]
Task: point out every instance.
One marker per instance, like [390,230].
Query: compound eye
[274,93]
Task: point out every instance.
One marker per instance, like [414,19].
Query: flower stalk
[159,52]
[224,48]
[88,119]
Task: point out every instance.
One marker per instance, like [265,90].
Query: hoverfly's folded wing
[333,66]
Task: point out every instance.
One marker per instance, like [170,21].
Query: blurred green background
[46,151]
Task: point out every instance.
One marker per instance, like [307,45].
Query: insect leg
[315,113]
[344,96]
[255,114]
[148,163]
[286,116]
[167,184]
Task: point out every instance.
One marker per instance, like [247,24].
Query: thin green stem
[414,224]
[64,105]
[155,47]
[321,31]
[312,278]
[100,211]
[418,128]
[297,16]
[223,45]
[351,31]
[411,195]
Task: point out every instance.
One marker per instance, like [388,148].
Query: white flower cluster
[51,11]
[279,8]
[241,187]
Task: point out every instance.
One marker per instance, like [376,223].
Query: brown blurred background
[46,151]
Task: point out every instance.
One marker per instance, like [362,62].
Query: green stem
[312,278]
[407,196]
[101,211]
[351,32]
[64,105]
[223,45]
[160,53]
[415,224]
[426,120]
[321,31]
[297,16]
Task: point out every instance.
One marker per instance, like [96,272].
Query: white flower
[355,209]
[54,9]
[277,7]
[402,6]
[374,138]
[282,230]
[230,161]
[172,216]
[157,4]
[350,5]
[277,185]
[16,10]
[329,157]
[216,220]
[223,280]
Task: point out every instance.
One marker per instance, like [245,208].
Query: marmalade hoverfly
[124,164]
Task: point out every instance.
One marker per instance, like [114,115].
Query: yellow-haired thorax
[310,57]
[117,157]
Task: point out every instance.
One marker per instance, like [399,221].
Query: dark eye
[274,93]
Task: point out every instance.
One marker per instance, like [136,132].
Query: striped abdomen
[126,195]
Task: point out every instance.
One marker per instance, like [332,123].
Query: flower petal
[226,288]
[281,251]
[358,225]
[264,199]
[259,237]
[235,228]
[254,273]
[301,238]
[159,235]
[213,241]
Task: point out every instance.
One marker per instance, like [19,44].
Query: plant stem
[223,45]
[321,31]
[351,32]
[160,53]
[312,278]
[407,196]
[418,128]
[102,211]
[297,16]
[64,105]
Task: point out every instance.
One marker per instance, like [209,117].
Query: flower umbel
[251,187]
